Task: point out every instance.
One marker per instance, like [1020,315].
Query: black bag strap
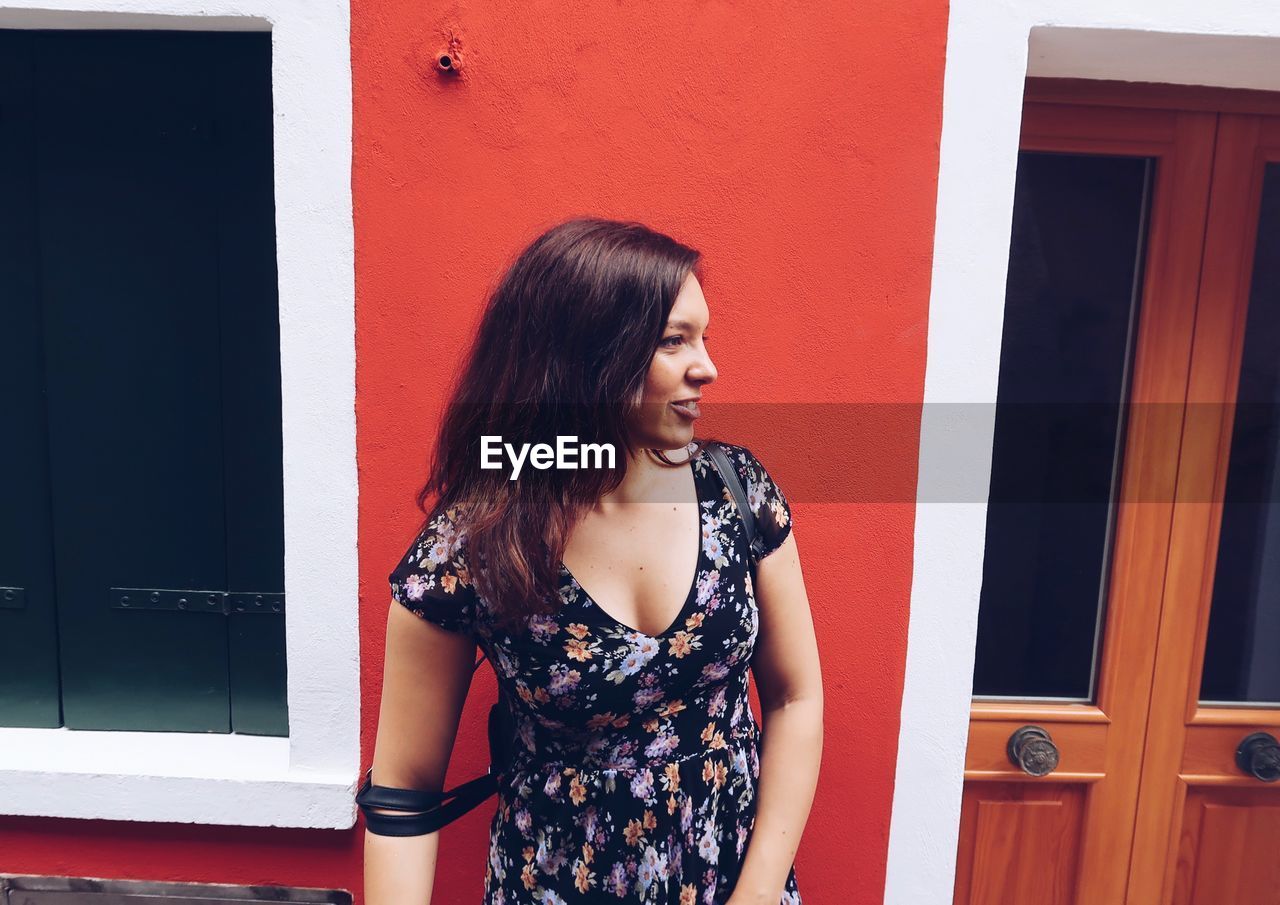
[734,483]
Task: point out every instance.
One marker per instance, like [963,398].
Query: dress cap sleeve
[767,501]
[433,578]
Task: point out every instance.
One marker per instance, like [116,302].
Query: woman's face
[679,370]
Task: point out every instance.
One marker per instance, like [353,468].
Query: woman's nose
[704,370]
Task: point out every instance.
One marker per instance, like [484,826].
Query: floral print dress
[637,756]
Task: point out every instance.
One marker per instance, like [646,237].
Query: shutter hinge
[224,602]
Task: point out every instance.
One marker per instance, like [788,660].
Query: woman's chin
[676,440]
[670,440]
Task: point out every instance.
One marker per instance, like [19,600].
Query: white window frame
[991,48]
[308,779]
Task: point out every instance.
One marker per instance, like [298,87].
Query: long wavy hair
[562,349]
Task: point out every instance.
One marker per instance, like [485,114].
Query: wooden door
[1098,577]
[1208,822]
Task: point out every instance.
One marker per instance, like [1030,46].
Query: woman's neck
[647,481]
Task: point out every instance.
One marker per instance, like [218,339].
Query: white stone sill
[170,777]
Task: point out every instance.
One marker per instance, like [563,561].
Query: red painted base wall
[796,146]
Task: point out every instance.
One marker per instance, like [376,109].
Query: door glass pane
[1071,301]
[1242,652]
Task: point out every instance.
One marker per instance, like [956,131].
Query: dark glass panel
[1071,301]
[1242,652]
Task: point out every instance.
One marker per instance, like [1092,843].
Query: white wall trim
[1233,43]
[308,779]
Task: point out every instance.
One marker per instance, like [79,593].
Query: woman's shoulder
[433,577]
[741,457]
[769,505]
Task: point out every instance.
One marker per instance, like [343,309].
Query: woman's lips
[688,409]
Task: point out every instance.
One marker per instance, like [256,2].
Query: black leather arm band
[428,811]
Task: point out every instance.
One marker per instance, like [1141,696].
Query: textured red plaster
[796,146]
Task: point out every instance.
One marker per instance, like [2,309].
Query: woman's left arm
[789,680]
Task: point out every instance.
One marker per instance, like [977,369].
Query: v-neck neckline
[690,597]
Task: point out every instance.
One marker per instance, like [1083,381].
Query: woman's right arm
[426,674]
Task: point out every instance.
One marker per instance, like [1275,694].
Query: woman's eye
[677,338]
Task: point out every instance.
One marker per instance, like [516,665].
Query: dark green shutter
[251,384]
[29,677]
[161,344]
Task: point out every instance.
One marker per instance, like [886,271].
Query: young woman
[618,606]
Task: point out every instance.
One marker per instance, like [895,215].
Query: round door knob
[1259,755]
[1032,750]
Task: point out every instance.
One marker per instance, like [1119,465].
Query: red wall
[794,144]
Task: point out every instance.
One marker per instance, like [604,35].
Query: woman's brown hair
[562,349]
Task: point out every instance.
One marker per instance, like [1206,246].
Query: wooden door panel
[1208,757]
[1080,735]
[1227,849]
[1012,832]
